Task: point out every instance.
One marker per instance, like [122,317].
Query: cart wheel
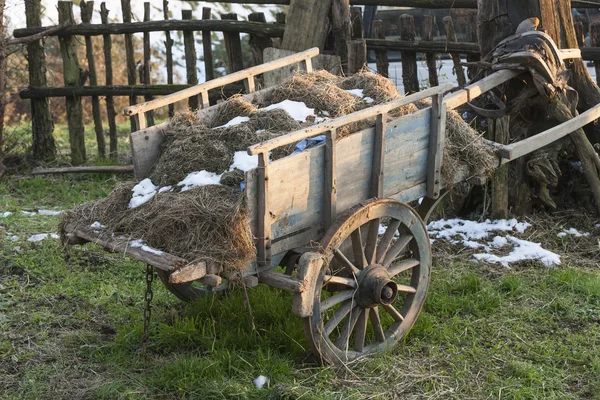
[368,301]
[188,291]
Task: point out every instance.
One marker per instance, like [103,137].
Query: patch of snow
[142,193]
[468,230]
[296,109]
[382,229]
[140,244]
[420,200]
[574,232]
[243,161]
[97,225]
[369,100]
[152,250]
[137,243]
[523,250]
[50,212]
[260,381]
[28,213]
[356,92]
[499,241]
[165,189]
[325,113]
[233,122]
[42,236]
[475,245]
[5,214]
[12,238]
[199,178]
[261,131]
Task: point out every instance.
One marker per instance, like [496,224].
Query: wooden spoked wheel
[373,282]
[188,291]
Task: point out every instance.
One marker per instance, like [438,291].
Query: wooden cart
[339,210]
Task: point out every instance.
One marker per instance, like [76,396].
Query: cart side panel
[296,183]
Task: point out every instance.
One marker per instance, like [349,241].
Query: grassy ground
[71,321]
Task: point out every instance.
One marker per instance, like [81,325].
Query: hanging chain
[148,307]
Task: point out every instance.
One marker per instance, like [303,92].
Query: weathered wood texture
[499,132]
[428,22]
[258,43]
[190,59]
[108,74]
[410,77]
[423,46]
[358,27]
[433,4]
[595,42]
[383,65]
[188,273]
[44,147]
[129,55]
[72,77]
[111,169]
[472,26]
[169,54]
[451,37]
[233,46]
[209,70]
[340,23]
[146,65]
[437,139]
[307,25]
[357,55]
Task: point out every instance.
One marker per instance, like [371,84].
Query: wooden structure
[342,209]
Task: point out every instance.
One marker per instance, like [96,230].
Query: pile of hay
[211,222]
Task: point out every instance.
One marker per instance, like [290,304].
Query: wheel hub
[375,287]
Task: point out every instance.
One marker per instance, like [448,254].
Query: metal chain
[148,307]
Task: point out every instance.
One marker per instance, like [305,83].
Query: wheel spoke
[372,240]
[393,312]
[406,289]
[403,266]
[351,282]
[357,248]
[338,316]
[349,324]
[386,239]
[337,299]
[396,249]
[361,331]
[342,259]
[376,324]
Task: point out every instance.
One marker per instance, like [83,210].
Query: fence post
[499,132]
[280,19]
[72,76]
[233,46]
[383,65]
[87,10]
[147,81]
[595,42]
[451,37]
[44,147]
[258,43]
[428,21]
[409,58]
[579,33]
[169,54]
[472,18]
[357,55]
[340,21]
[358,28]
[207,47]
[110,104]
[130,56]
[190,58]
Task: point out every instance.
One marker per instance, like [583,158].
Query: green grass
[71,322]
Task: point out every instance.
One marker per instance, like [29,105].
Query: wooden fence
[412,44]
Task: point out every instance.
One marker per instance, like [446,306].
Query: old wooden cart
[341,209]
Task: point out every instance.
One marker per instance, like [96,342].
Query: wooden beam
[423,46]
[377,176]
[281,281]
[263,243]
[189,45]
[410,76]
[330,192]
[470,92]
[114,90]
[124,169]
[188,273]
[437,139]
[431,4]
[207,46]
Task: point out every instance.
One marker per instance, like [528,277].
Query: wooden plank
[235,77]
[112,169]
[430,57]
[258,43]
[422,46]
[188,273]
[146,74]
[120,90]
[383,65]
[211,280]
[377,176]
[460,97]
[436,147]
[191,74]
[410,77]
[307,25]
[309,269]
[357,55]
[281,281]
[129,55]
[340,24]
[330,192]
[264,220]
[451,38]
[430,4]
[108,74]
[499,130]
[145,149]
[358,28]
[207,47]
[169,54]
[315,130]
[473,37]
[233,47]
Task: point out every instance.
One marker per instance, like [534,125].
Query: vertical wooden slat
[330,190]
[108,72]
[357,55]
[579,33]
[358,27]
[308,65]
[190,58]
[169,54]
[473,38]
[258,43]
[383,64]
[340,22]
[129,55]
[44,147]
[207,47]
[451,37]
[147,54]
[233,46]
[428,22]
[140,121]
[263,245]
[87,10]
[595,42]
[72,76]
[377,174]
[500,134]
[436,146]
[409,58]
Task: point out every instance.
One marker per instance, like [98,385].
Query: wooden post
[280,19]
[409,58]
[579,33]
[169,54]
[451,37]
[357,55]
[472,18]
[330,191]
[110,104]
[428,21]
[72,76]
[44,147]
[87,9]
[263,245]
[147,50]
[498,131]
[358,28]
[258,43]
[207,47]
[307,25]
[130,56]
[340,21]
[190,58]
[595,42]
[383,65]
[233,46]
